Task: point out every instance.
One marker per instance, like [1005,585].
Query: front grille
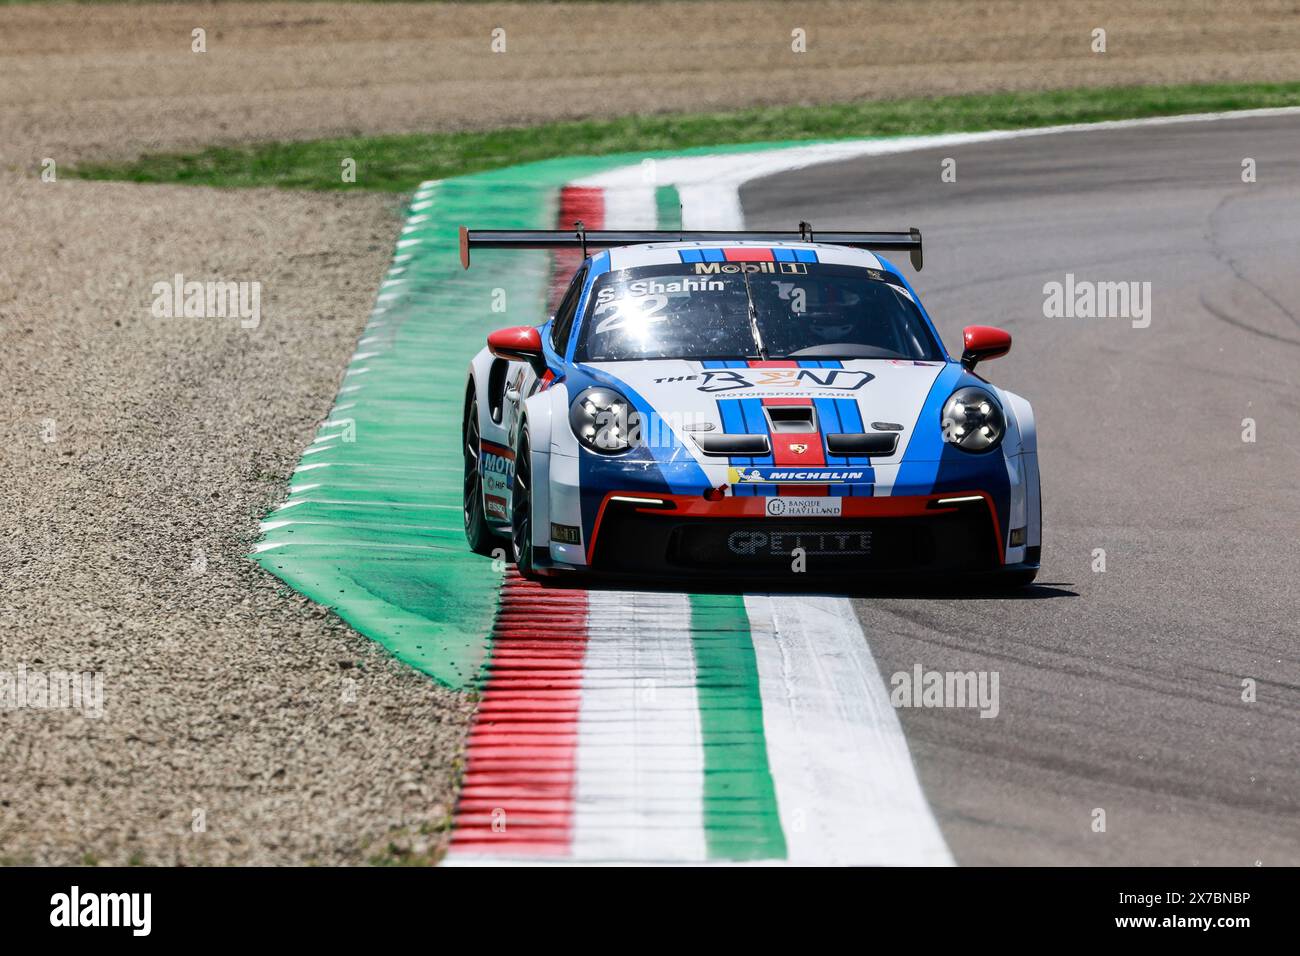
[764,544]
[956,540]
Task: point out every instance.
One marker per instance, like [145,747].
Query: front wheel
[521,508]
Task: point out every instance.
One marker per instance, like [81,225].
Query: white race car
[745,405]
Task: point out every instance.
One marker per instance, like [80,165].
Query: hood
[726,398]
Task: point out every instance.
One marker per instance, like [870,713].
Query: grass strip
[398,163]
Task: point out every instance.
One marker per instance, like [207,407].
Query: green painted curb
[741,821]
[372,528]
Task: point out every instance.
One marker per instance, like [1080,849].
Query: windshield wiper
[753,318]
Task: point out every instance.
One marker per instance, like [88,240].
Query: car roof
[664,253]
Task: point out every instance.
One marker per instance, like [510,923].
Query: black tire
[521,508]
[477,533]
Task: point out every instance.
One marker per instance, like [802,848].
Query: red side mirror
[523,343]
[983,342]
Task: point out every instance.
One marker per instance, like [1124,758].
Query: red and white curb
[517,794]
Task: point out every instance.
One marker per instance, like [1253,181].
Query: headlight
[603,420]
[973,420]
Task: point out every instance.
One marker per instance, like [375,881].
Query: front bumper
[690,536]
[652,519]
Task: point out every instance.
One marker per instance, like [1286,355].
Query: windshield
[696,311]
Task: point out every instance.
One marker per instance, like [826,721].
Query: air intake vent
[733,444]
[791,418]
[862,444]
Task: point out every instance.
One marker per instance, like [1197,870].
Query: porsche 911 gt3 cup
[745,405]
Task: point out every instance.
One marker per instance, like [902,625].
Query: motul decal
[497,470]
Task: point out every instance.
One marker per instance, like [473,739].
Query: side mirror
[523,343]
[982,342]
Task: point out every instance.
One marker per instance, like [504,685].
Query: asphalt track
[1120,690]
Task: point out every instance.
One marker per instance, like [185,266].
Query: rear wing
[580,238]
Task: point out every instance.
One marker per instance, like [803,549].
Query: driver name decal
[683,285]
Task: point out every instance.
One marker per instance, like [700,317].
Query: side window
[565,314]
[496,389]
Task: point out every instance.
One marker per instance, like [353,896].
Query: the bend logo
[103,909]
[835,379]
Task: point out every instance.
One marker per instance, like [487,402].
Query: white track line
[845,783]
[640,764]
